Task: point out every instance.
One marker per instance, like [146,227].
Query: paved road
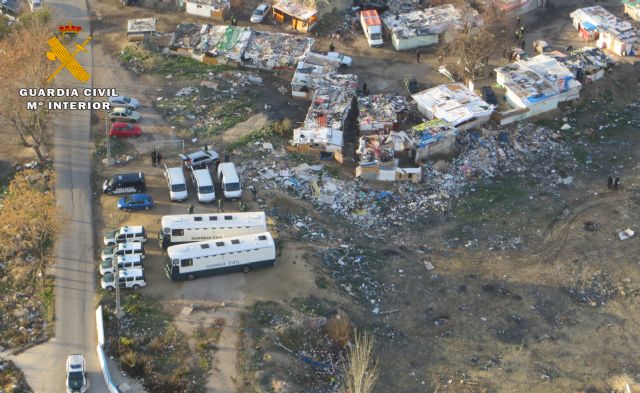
[75,281]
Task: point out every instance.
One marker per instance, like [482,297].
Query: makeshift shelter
[632,8]
[454,103]
[141,29]
[610,32]
[381,158]
[433,138]
[381,113]
[214,9]
[302,18]
[587,64]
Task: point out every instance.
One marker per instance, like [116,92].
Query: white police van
[126,234]
[123,262]
[108,253]
[127,278]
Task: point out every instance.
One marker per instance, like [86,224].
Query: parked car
[260,13]
[124,114]
[489,95]
[125,130]
[200,158]
[124,101]
[135,202]
[344,60]
[76,374]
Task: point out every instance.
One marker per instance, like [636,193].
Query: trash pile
[381,111]
[483,154]
[216,105]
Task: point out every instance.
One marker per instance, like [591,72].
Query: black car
[489,95]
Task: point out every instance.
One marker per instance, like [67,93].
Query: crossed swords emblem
[67,60]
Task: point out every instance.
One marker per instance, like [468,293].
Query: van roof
[203,177]
[132,229]
[229,172]
[131,272]
[175,172]
[129,176]
[129,258]
[128,246]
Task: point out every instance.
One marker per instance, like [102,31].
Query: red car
[125,129]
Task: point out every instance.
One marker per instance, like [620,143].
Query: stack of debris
[433,138]
[381,113]
[587,64]
[276,51]
[330,107]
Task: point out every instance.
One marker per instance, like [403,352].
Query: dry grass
[339,329]
[361,371]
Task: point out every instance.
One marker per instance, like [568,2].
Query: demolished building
[536,85]
[331,105]
[587,64]
[609,32]
[387,158]
[455,103]
[425,27]
[310,73]
[381,113]
[242,46]
[434,138]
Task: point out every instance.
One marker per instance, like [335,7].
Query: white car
[344,60]
[260,12]
[124,102]
[76,374]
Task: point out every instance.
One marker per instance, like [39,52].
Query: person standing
[616,183]
[331,47]
[418,56]
[220,206]
[610,182]
[254,192]
[226,157]
[190,209]
[158,158]
[153,157]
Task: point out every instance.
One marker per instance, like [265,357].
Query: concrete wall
[199,10]
[413,42]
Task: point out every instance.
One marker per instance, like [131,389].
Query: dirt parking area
[521,282]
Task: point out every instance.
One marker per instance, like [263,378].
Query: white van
[176,182]
[229,180]
[123,262]
[108,253]
[128,278]
[126,234]
[204,185]
[35,5]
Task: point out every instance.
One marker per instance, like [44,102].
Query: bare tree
[473,43]
[25,65]
[30,221]
[361,371]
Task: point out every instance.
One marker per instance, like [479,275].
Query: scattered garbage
[626,234]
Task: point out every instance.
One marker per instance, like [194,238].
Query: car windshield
[126,99]
[232,186]
[178,187]
[376,36]
[128,112]
[108,251]
[107,277]
[258,12]
[76,379]
[205,190]
[128,200]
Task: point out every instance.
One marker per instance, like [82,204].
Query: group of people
[156,157]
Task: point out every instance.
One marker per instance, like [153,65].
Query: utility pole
[106,132]
[118,311]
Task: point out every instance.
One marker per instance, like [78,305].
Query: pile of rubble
[483,154]
[212,107]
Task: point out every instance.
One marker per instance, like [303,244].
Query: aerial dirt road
[75,332]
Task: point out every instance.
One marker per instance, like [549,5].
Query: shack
[213,9]
[387,158]
[434,138]
[455,103]
[381,113]
[610,32]
[587,64]
[141,29]
[301,17]
[424,27]
[632,8]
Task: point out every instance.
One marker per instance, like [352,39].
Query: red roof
[371,17]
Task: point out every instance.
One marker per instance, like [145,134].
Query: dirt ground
[557,313]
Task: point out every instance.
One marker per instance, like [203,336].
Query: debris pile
[381,112]
[483,154]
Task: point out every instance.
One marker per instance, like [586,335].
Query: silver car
[124,101]
[125,115]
